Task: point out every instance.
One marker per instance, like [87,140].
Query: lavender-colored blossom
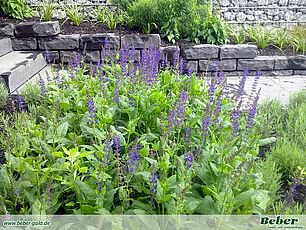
[123,60]
[181,108]
[72,76]
[235,119]
[50,198]
[164,63]
[176,56]
[153,181]
[132,72]
[188,159]
[181,66]
[20,102]
[205,125]
[218,110]
[116,95]
[133,158]
[47,56]
[117,143]
[187,134]
[241,85]
[211,90]
[189,72]
[76,61]
[92,110]
[43,90]
[252,112]
[171,117]
[197,151]
[255,83]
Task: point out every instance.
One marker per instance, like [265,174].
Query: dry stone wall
[234,59]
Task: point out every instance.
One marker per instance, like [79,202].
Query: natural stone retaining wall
[234,59]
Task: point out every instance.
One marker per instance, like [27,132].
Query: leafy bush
[74,14]
[127,139]
[298,39]
[260,35]
[123,4]
[3,95]
[16,8]
[175,19]
[47,10]
[111,17]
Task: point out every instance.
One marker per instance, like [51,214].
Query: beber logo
[278,221]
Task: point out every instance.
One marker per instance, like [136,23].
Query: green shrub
[123,4]
[74,14]
[16,8]
[3,95]
[260,35]
[176,19]
[46,10]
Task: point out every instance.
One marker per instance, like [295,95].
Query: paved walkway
[274,87]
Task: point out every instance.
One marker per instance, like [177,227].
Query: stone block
[67,56]
[258,63]
[7,29]
[290,62]
[24,43]
[300,72]
[191,66]
[37,29]
[98,41]
[201,52]
[60,42]
[140,41]
[169,53]
[211,65]
[92,56]
[238,51]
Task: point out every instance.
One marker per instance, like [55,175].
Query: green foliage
[31,94]
[239,35]
[111,17]
[215,31]
[16,8]
[260,35]
[74,14]
[298,39]
[280,38]
[46,10]
[175,19]
[144,14]
[3,95]
[123,4]
[65,149]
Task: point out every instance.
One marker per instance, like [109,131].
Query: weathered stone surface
[6,46]
[191,66]
[300,72]
[170,52]
[258,63]
[201,52]
[67,56]
[24,43]
[108,55]
[37,29]
[7,29]
[140,41]
[92,56]
[54,57]
[290,62]
[98,41]
[238,51]
[210,65]
[60,42]
[278,73]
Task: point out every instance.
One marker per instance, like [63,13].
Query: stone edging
[199,58]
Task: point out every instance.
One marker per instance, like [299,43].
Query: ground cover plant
[286,160]
[126,138]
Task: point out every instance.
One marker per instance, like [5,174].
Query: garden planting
[137,130]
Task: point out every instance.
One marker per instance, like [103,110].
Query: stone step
[44,74]
[5,46]
[17,67]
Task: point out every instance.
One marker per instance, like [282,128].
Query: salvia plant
[127,137]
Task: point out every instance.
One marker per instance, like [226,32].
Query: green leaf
[62,129]
[86,190]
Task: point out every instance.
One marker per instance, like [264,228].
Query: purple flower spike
[116,95]
[181,108]
[92,111]
[133,159]
[117,143]
[47,57]
[252,112]
[205,125]
[187,134]
[43,90]
[20,102]
[255,83]
[153,181]
[50,198]
[241,85]
[188,159]
[234,117]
